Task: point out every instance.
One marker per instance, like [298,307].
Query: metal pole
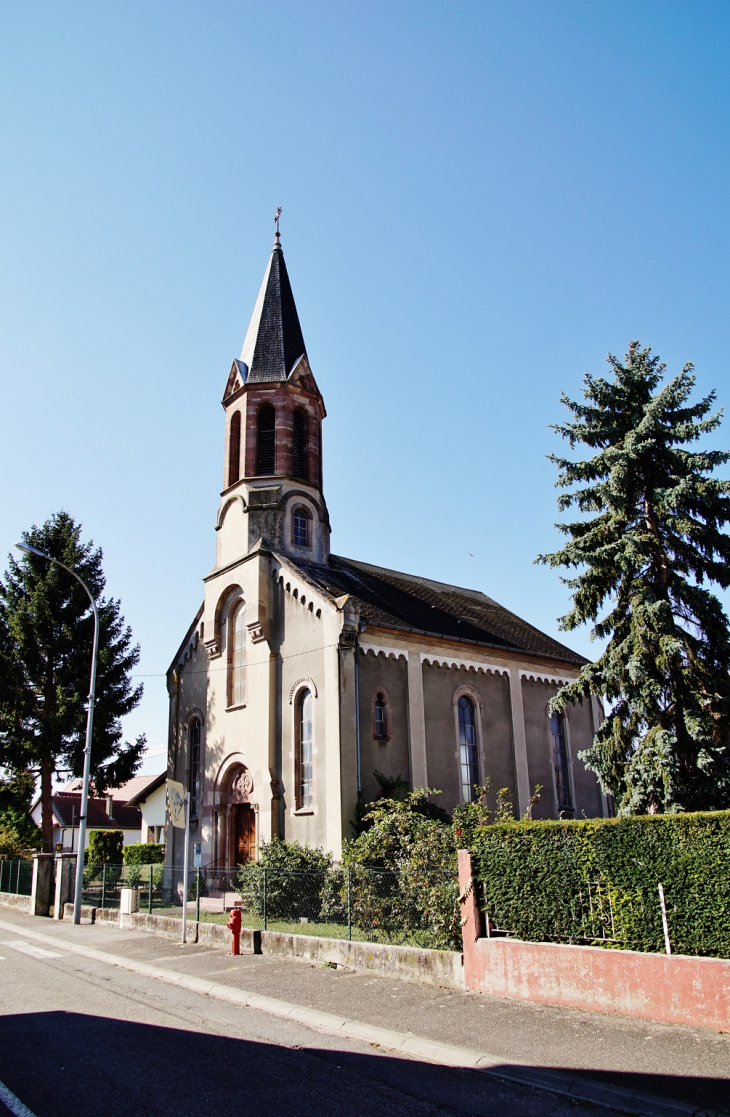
[349,909]
[103,885]
[665,925]
[265,919]
[186,858]
[149,905]
[197,897]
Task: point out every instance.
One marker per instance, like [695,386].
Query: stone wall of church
[494,730]
[300,637]
[188,698]
[586,791]
[390,756]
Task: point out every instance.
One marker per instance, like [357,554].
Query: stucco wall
[389,757]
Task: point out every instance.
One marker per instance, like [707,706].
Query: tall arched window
[300,527]
[560,760]
[237,655]
[304,775]
[266,440]
[467,748]
[300,445]
[234,449]
[194,765]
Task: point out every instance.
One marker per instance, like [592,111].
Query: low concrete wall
[673,989]
[432,967]
[12,900]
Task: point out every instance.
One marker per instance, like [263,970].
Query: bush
[144,853]
[13,846]
[535,878]
[294,880]
[105,846]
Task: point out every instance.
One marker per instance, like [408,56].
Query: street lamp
[89,724]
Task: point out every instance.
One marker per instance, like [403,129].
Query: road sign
[176,802]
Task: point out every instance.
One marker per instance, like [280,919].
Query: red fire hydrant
[234,926]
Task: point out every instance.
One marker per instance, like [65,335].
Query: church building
[303,673]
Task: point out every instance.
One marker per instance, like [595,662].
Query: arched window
[380,717]
[237,655]
[467,748]
[234,449]
[266,440]
[560,760]
[194,765]
[300,445]
[304,780]
[300,527]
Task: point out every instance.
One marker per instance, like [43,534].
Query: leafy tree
[648,543]
[16,793]
[46,635]
[105,847]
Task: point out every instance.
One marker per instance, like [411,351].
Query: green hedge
[596,881]
[144,853]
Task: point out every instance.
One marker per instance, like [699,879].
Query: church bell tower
[272,485]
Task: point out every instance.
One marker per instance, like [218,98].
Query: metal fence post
[349,908]
[265,919]
[197,897]
[103,885]
[149,899]
[17,879]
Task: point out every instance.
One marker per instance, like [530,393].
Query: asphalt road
[79,1035]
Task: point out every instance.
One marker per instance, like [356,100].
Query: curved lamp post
[89,724]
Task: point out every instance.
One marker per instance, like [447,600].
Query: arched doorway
[241,815]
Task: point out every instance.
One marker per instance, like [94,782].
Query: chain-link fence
[16,877]
[418,908]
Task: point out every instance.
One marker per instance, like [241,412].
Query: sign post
[179,803]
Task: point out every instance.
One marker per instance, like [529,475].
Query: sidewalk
[679,1064]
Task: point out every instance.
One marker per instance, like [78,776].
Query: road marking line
[32,951]
[15,1105]
[565,1083]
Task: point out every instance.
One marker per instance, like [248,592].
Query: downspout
[360,628]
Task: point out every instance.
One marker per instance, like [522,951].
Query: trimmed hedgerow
[597,881]
[144,853]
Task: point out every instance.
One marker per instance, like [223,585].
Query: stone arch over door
[237,837]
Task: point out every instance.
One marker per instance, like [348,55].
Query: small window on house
[300,445]
[300,528]
[467,748]
[380,717]
[234,449]
[194,758]
[237,655]
[560,760]
[304,775]
[266,440]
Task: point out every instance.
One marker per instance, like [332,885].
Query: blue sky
[480,200]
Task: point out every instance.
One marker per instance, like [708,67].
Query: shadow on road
[62,1064]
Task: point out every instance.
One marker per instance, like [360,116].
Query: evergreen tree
[648,542]
[46,637]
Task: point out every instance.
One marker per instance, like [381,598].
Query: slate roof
[274,341]
[390,599]
[66,808]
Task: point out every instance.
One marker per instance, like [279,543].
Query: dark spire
[274,341]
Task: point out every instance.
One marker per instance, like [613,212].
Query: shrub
[144,853]
[294,879]
[535,877]
[105,846]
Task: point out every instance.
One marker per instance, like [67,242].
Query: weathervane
[277,215]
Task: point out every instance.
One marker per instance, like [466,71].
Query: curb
[565,1084]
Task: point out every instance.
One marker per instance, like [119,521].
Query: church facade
[304,673]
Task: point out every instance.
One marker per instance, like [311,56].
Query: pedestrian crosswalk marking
[31,950]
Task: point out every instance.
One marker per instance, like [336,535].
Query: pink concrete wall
[676,989]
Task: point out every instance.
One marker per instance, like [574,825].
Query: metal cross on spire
[277,215]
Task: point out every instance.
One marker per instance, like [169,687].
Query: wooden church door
[245,841]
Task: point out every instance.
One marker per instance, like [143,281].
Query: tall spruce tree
[648,543]
[46,636]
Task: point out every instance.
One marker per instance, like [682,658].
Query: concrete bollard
[41,892]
